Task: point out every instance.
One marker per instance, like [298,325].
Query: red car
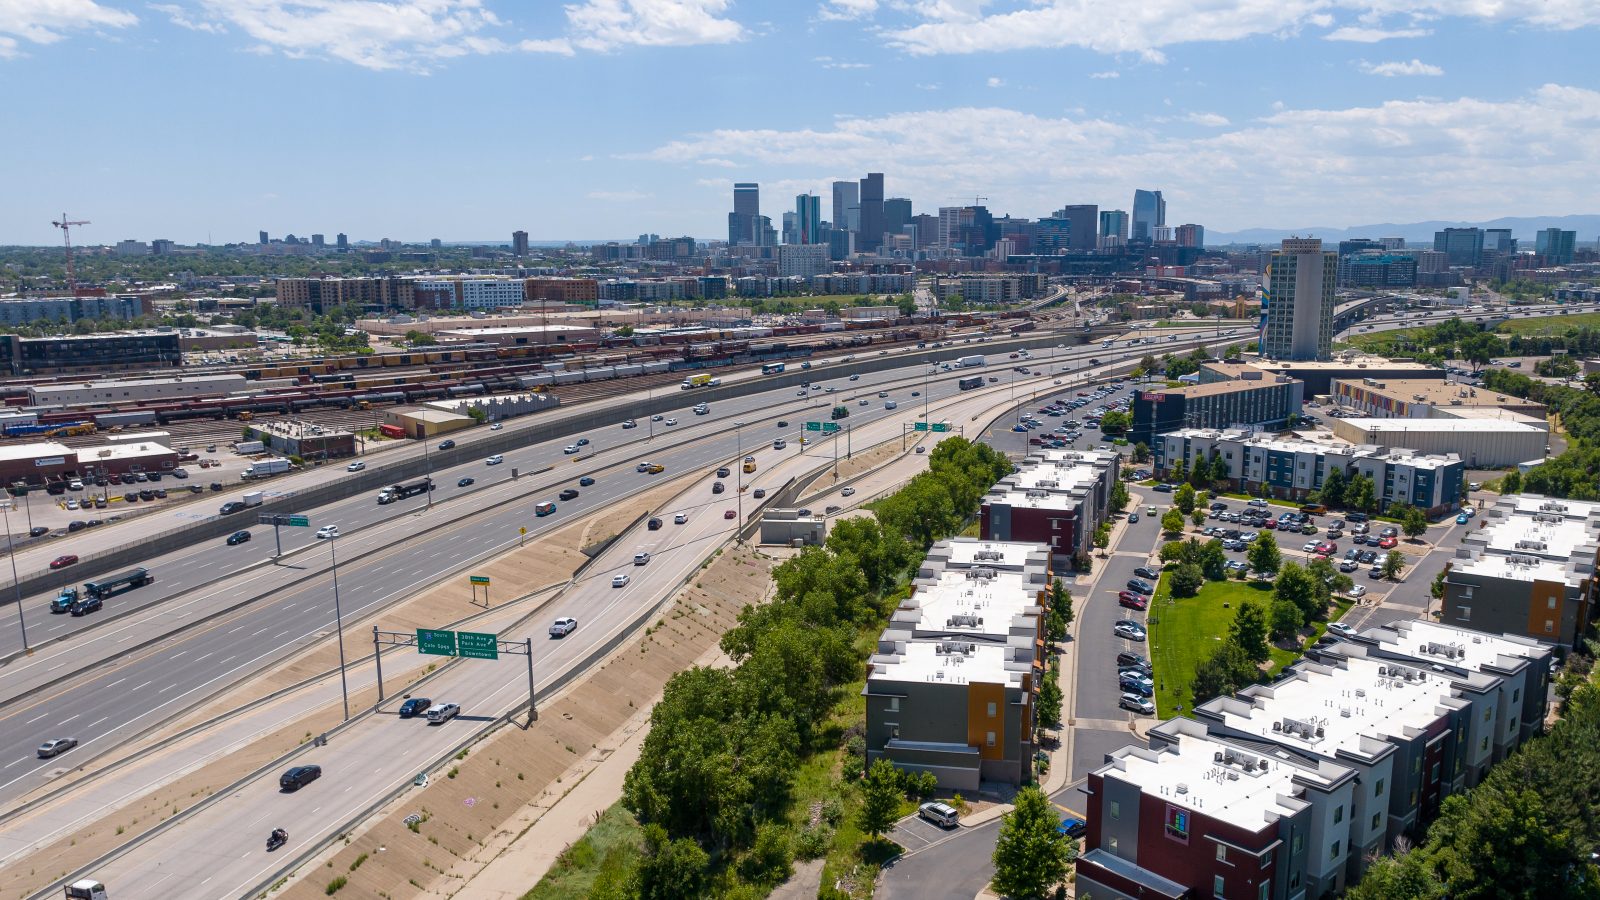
[729,514]
[1387,543]
[61,562]
[1327,547]
[1272,524]
[1131,600]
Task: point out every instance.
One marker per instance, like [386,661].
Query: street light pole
[427,464]
[16,583]
[338,619]
[738,436]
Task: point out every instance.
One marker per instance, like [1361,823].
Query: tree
[670,869]
[1102,536]
[1115,422]
[1296,585]
[1264,555]
[1141,452]
[907,304]
[1323,577]
[1172,521]
[1287,620]
[1171,552]
[1183,498]
[1333,487]
[1436,590]
[1226,670]
[1393,564]
[1030,857]
[1249,631]
[420,338]
[880,798]
[1198,517]
[1186,580]
[1213,561]
[1050,701]
[1414,522]
[1219,470]
[1511,482]
[1359,494]
[1119,497]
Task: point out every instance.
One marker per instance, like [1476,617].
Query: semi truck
[840,412]
[401,491]
[969,362]
[264,468]
[110,587]
[694,381]
[254,498]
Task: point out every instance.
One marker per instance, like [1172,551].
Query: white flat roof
[926,661]
[1187,774]
[1349,703]
[958,604]
[512,329]
[1012,554]
[123,451]
[231,378]
[40,450]
[1473,425]
[1474,649]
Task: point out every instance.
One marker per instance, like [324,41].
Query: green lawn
[1185,631]
[1543,324]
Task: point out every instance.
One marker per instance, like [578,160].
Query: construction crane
[66,236]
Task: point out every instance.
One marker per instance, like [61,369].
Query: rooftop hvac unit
[988,555]
[1183,788]
[1216,756]
[1344,712]
[1233,776]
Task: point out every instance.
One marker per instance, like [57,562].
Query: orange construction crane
[66,235]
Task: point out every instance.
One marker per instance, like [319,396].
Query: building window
[1338,814]
[1116,809]
[1217,886]
[1333,852]
[1376,817]
[1264,892]
[989,739]
[1552,602]
[894,704]
[1464,613]
[1516,695]
[1111,842]
[1296,843]
[991,715]
[1434,773]
[1222,853]
[1377,789]
[1549,626]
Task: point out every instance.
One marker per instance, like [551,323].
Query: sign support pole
[377,658]
[533,709]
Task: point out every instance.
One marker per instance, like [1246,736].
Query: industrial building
[123,458]
[951,687]
[1291,468]
[1418,399]
[1484,443]
[307,440]
[425,421]
[519,335]
[135,390]
[1528,569]
[1253,400]
[35,463]
[141,351]
[1318,375]
[1056,498]
[784,527]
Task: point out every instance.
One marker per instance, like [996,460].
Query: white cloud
[1105,75]
[619,196]
[181,17]
[828,62]
[995,82]
[608,24]
[375,34]
[1360,35]
[846,10]
[1209,120]
[1291,167]
[1112,26]
[46,21]
[1393,69]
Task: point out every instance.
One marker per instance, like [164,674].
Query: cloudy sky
[202,120]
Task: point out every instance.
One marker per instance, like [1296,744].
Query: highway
[115,701]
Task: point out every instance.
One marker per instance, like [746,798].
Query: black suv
[568,494]
[1131,659]
[414,707]
[232,506]
[655,524]
[298,777]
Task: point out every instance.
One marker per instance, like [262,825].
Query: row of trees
[715,775]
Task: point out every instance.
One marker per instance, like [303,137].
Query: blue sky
[205,120]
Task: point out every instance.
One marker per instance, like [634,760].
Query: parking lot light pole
[16,583]
[338,619]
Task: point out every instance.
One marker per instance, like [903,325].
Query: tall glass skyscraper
[1149,213]
[743,221]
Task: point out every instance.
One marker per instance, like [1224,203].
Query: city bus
[772,368]
[967,384]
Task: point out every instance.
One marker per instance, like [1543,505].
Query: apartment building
[1291,468]
[1529,569]
[1256,399]
[471,294]
[561,290]
[951,687]
[1056,498]
[322,294]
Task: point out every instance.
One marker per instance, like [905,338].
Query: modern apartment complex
[1298,300]
[1056,498]
[1254,399]
[26,310]
[1291,468]
[1528,570]
[321,294]
[951,687]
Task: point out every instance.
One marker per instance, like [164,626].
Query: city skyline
[1035,108]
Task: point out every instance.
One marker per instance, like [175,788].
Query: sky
[209,120]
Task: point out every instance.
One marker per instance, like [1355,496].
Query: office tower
[342,241]
[1298,301]
[317,241]
[519,243]
[1393,243]
[1499,240]
[1191,235]
[263,237]
[871,212]
[927,230]
[1114,224]
[896,215]
[1358,245]
[436,244]
[1085,219]
[743,227]
[1052,236]
[847,205]
[1149,213]
[1461,246]
[1555,245]
[791,228]
[808,219]
[841,243]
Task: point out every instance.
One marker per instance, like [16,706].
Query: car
[1140,586]
[298,777]
[1359,527]
[1072,827]
[467,481]
[1462,518]
[730,514]
[563,626]
[1128,658]
[86,605]
[1131,600]
[1163,488]
[1349,565]
[497,426]
[630,424]
[641,558]
[238,537]
[73,503]
[921,449]
[939,814]
[585,481]
[327,531]
[568,494]
[216,486]
[1147,572]
[447,445]
[1136,703]
[855,377]
[38,531]
[1375,572]
[759,493]
[570,449]
[1258,502]
[1357,591]
[654,524]
[1391,531]
[1136,683]
[656,417]
[680,518]
[1133,517]
[56,746]
[64,560]
[1367,557]
[1150,511]
[1137,670]
[620,581]
[1133,631]
[718,487]
[670,422]
[355,467]
[494,460]
[414,707]
[1387,543]
[1341,629]
[848,492]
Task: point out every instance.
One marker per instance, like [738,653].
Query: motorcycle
[277,839]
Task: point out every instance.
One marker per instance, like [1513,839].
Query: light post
[338,619]
[427,464]
[16,583]
[738,484]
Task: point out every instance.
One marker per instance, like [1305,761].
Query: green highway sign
[936,426]
[299,521]
[475,645]
[813,426]
[478,579]
[941,426]
[436,642]
[824,427]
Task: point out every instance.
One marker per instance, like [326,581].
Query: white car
[327,531]
[563,627]
[1356,590]
[630,424]
[1341,629]
[497,426]
[1310,547]
[570,449]
[620,581]
[355,467]
[848,492]
[680,518]
[671,422]
[494,460]
[642,557]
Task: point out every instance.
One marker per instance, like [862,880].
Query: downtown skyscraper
[807,219]
[744,222]
[871,231]
[846,206]
[1149,213]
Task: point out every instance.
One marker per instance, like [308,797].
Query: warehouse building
[1527,570]
[35,463]
[1291,468]
[134,390]
[519,335]
[1269,403]
[951,687]
[1318,375]
[125,458]
[307,440]
[1056,498]
[1482,443]
[1417,399]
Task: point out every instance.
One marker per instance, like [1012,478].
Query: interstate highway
[114,702]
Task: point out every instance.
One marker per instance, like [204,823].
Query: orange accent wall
[1539,608]
[979,696]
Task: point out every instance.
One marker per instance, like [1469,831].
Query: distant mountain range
[1522,228]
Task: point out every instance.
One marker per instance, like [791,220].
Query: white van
[439,713]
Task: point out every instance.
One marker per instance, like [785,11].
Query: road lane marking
[97,722]
[35,719]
